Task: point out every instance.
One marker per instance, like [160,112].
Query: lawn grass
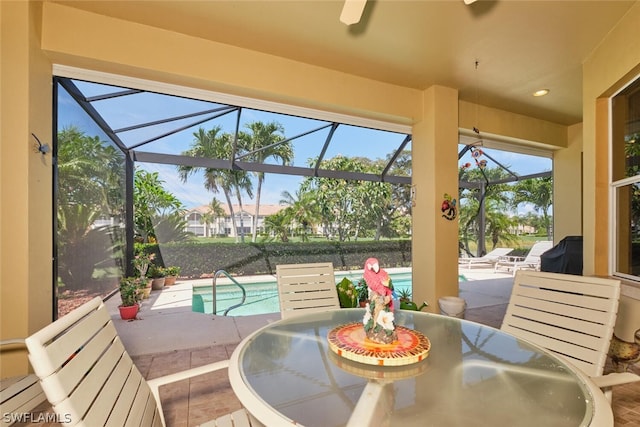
[521,245]
[295,239]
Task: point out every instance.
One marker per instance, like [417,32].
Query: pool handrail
[228,276]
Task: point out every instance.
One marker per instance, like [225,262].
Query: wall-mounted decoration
[448,208]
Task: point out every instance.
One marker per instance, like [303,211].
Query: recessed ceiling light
[541,92]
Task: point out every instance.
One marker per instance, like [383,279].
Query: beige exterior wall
[25,180]
[611,66]
[567,186]
[34,36]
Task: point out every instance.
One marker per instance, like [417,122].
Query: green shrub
[204,259]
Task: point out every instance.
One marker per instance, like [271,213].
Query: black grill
[565,257]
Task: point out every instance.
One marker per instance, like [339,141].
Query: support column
[434,174]
[25,181]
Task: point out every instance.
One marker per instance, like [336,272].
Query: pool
[262,297]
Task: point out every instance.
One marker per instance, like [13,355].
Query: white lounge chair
[571,316]
[306,287]
[90,380]
[487,260]
[530,262]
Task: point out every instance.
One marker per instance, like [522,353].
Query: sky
[124,111]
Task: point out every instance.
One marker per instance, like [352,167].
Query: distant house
[223,226]
[522,229]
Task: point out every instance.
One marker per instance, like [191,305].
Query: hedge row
[202,260]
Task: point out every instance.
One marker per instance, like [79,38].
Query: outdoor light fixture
[41,148]
[541,92]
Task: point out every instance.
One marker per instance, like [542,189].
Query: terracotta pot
[170,280]
[129,312]
[158,283]
[146,291]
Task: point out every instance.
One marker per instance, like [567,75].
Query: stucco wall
[613,64]
[25,180]
[567,185]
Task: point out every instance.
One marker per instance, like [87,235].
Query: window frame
[614,186]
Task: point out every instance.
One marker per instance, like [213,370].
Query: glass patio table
[474,375]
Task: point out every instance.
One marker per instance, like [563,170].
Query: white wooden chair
[571,316]
[304,288]
[89,378]
[529,262]
[19,395]
[490,258]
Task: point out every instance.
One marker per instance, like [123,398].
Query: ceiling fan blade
[352,11]
[469,1]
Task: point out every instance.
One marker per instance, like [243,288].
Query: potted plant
[144,287]
[157,273]
[141,263]
[362,290]
[130,296]
[172,273]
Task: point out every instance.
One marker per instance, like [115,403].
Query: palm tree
[171,227]
[264,141]
[215,145]
[474,201]
[214,212]
[278,225]
[301,209]
[538,192]
[241,182]
[499,224]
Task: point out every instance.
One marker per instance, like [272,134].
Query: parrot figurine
[379,324]
[377,279]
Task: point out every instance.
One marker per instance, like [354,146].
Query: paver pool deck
[166,321]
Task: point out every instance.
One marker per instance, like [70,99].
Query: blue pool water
[262,297]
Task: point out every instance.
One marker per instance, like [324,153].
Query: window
[625,181]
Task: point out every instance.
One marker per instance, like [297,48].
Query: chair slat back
[304,288]
[572,316]
[538,248]
[86,373]
[495,254]
[19,395]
